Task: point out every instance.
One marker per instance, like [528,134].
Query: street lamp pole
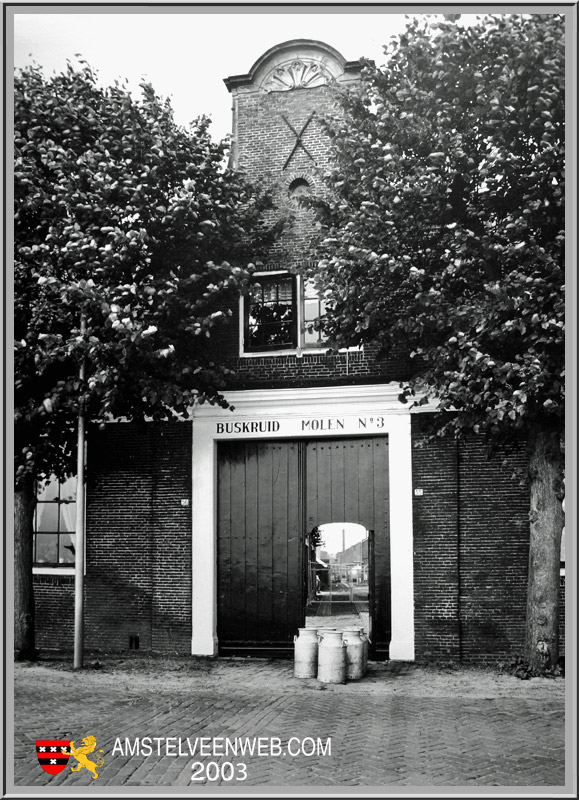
[80,526]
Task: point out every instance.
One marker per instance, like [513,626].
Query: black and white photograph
[290,384]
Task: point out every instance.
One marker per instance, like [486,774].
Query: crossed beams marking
[298,142]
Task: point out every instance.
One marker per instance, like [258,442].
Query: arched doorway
[339,576]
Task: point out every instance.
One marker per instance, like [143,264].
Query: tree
[132,241]
[446,237]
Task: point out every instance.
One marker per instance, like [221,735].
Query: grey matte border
[570,12]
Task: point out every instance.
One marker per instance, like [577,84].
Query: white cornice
[309,52]
[369,397]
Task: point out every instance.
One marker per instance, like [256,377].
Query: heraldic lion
[88,745]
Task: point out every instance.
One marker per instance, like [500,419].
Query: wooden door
[347,481]
[260,524]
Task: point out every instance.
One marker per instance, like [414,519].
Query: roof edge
[235,81]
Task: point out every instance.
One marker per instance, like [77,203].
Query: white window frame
[243,300]
[53,570]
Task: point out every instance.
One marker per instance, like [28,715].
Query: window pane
[68,489]
[47,516]
[311,338]
[269,293]
[276,331]
[47,548]
[285,291]
[311,310]
[67,517]
[310,290]
[49,491]
[66,549]
[270,315]
[563,546]
[256,293]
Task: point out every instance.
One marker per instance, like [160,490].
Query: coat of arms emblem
[53,754]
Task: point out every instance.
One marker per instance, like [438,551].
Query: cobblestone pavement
[402,725]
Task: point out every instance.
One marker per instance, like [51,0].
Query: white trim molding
[301,414]
[53,570]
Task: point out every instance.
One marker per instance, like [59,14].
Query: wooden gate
[269,494]
[347,481]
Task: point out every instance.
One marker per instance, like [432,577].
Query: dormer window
[271,314]
[279,314]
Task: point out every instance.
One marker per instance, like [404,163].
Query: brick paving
[402,725]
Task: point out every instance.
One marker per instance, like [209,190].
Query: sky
[338,536]
[187,54]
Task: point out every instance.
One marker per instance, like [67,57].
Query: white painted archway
[298,414]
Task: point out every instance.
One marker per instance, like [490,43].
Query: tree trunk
[546,524]
[24,502]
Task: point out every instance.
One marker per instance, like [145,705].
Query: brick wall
[263,143]
[310,369]
[54,608]
[436,531]
[138,549]
[470,548]
[562,617]
[494,548]
[119,516]
[471,544]
[172,540]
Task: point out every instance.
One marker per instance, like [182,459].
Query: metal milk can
[306,653]
[331,657]
[354,653]
[321,632]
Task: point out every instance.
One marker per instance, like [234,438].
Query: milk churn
[306,653]
[321,632]
[331,657]
[354,653]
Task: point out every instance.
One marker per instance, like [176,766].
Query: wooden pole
[79,538]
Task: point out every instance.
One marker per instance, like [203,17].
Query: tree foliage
[132,223]
[445,237]
[132,241]
[446,232]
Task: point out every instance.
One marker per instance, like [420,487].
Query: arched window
[298,189]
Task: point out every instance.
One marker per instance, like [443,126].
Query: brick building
[195,530]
